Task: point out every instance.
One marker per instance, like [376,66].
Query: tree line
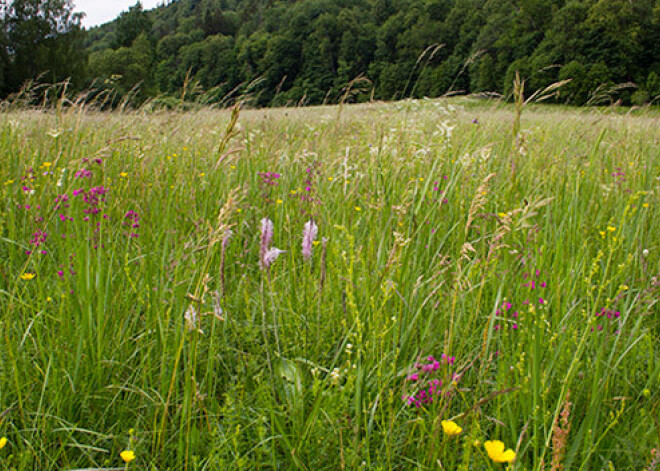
[309,51]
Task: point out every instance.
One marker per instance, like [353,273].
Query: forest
[309,52]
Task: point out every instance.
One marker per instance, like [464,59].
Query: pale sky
[102,11]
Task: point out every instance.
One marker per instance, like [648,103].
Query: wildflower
[357,208]
[127,456]
[310,232]
[123,174]
[192,319]
[267,230]
[335,375]
[611,228]
[450,428]
[496,452]
[271,256]
[3,442]
[28,276]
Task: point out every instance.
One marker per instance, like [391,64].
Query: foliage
[292,52]
[40,37]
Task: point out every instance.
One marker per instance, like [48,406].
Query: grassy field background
[136,312]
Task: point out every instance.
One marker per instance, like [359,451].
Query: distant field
[450,271]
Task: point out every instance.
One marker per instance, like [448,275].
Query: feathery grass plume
[478,202]
[310,232]
[519,97]
[560,435]
[231,132]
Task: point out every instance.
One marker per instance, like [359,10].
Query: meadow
[375,286]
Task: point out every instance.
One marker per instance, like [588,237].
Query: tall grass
[170,340]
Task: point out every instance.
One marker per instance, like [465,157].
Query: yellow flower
[357,208]
[27,276]
[123,174]
[279,201]
[501,215]
[47,164]
[495,450]
[450,428]
[330,179]
[602,233]
[9,182]
[127,456]
[49,299]
[611,228]
[3,442]
[646,205]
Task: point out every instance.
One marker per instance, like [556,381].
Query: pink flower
[310,232]
[271,256]
[267,231]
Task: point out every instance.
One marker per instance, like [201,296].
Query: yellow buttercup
[495,450]
[450,428]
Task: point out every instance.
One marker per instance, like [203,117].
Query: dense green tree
[131,24]
[41,37]
[575,91]
[293,51]
[653,86]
